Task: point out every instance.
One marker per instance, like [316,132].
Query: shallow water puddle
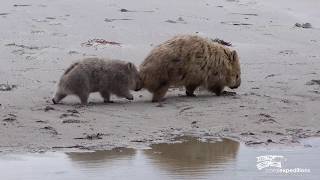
[188,159]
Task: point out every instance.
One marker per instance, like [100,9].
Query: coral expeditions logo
[274,164]
[269,161]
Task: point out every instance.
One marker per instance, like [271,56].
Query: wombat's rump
[98,75]
[190,61]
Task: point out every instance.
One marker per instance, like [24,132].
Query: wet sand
[188,158]
[276,105]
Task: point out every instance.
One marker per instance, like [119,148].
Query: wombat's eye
[237,76]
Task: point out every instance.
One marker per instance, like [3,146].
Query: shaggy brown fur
[98,75]
[190,61]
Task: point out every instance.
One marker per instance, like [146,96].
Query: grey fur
[98,75]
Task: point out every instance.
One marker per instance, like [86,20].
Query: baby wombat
[190,61]
[98,75]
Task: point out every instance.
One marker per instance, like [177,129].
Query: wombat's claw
[158,100]
[130,98]
[53,101]
[189,94]
[108,101]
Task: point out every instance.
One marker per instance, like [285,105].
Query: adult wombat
[190,61]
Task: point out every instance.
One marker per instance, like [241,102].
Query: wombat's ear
[234,56]
[130,65]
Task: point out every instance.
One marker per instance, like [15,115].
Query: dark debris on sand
[303,25]
[95,42]
[48,108]
[71,121]
[222,42]
[92,136]
[21,5]
[313,82]
[10,118]
[7,87]
[117,19]
[50,130]
[124,10]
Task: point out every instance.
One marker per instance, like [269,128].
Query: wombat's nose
[239,82]
[236,86]
[138,85]
[138,88]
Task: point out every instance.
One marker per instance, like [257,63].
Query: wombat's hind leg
[190,90]
[159,94]
[58,97]
[106,96]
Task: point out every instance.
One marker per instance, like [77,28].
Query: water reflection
[98,158]
[188,159]
[191,155]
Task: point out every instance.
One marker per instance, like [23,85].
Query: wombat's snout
[138,85]
[237,85]
[138,89]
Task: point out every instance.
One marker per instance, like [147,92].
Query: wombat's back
[182,58]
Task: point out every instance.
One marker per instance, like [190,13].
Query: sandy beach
[277,103]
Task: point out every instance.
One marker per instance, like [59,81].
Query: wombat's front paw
[108,101]
[130,97]
[190,94]
[158,100]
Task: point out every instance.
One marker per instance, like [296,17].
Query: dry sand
[276,105]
